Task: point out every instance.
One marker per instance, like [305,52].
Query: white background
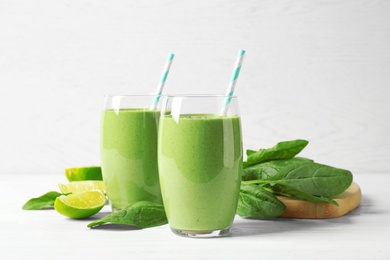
[317,70]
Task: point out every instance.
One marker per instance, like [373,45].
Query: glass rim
[135,95]
[197,96]
[171,95]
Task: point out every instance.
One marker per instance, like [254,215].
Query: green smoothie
[200,162]
[129,156]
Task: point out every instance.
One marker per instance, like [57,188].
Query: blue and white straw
[233,81]
[164,76]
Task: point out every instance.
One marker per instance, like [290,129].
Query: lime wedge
[80,204]
[84,173]
[79,186]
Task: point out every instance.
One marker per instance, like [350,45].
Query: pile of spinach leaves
[276,171]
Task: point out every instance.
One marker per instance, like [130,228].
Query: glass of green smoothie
[129,150]
[200,162]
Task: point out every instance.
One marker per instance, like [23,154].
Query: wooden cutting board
[347,201]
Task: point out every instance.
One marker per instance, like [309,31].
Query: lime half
[79,186]
[80,204]
[84,173]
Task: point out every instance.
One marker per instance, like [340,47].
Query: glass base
[201,233]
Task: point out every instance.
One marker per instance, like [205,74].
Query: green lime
[79,186]
[80,204]
[84,173]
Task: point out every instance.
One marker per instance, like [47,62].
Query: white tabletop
[363,233]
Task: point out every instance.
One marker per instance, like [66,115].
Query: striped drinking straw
[233,81]
[164,76]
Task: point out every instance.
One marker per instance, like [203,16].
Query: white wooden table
[362,234]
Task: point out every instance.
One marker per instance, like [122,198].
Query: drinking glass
[200,162]
[129,150]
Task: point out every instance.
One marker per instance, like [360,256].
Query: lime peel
[80,204]
[84,173]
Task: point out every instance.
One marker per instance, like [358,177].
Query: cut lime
[84,173]
[79,186]
[80,204]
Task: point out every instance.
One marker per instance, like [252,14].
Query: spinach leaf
[268,169]
[142,214]
[250,152]
[282,150]
[43,202]
[283,190]
[256,202]
[300,174]
[314,178]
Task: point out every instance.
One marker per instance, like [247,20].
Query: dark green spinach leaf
[282,150]
[314,178]
[268,169]
[283,190]
[142,214]
[255,202]
[300,174]
[45,201]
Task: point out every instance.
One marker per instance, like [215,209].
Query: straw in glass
[233,81]
[164,76]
